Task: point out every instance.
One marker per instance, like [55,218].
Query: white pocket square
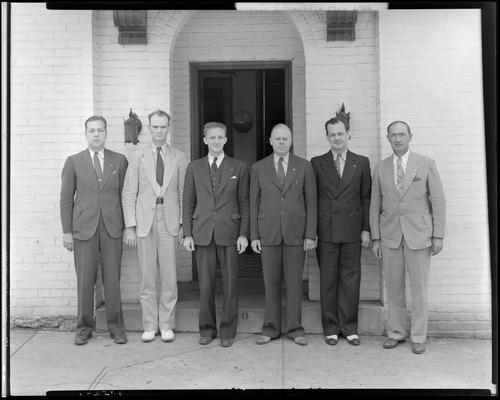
[234,177]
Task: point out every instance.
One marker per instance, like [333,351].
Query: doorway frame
[194,74]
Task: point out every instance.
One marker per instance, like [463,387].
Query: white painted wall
[430,77]
[52,92]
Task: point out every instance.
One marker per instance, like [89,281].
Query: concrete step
[250,312]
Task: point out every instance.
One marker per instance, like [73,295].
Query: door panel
[259,92]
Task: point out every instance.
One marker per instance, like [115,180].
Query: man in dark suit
[215,219]
[344,183]
[92,222]
[407,219]
[283,227]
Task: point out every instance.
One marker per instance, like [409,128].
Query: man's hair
[213,124]
[160,113]
[335,120]
[399,122]
[281,125]
[340,116]
[96,118]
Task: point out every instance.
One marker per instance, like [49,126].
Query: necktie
[400,175]
[337,164]
[159,167]
[214,166]
[281,171]
[97,167]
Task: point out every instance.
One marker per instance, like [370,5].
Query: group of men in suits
[283,207]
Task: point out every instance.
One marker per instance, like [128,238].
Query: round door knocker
[242,121]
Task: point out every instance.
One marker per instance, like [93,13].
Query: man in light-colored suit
[92,222]
[152,201]
[407,221]
[283,226]
[215,219]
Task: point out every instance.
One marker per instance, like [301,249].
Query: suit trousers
[105,250]
[207,258]
[289,261]
[340,277]
[417,264]
[156,252]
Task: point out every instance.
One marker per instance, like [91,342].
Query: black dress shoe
[205,340]
[300,340]
[390,343]
[418,348]
[354,341]
[80,340]
[120,338]
[263,339]
[331,341]
[227,342]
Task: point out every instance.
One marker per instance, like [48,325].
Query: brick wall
[430,76]
[51,92]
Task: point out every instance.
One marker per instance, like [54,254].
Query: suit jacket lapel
[388,166]
[290,172]
[168,169]
[204,171]
[328,166]
[350,166]
[88,168]
[272,170]
[227,172]
[411,171]
[148,162]
[108,167]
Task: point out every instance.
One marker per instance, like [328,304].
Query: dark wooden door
[262,93]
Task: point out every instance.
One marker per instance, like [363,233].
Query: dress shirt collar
[219,159]
[162,151]
[404,158]
[99,153]
[277,158]
[344,155]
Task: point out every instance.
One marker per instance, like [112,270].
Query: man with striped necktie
[407,221]
[344,183]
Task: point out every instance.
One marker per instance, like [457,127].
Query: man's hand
[68,241]
[180,237]
[256,247]
[365,238]
[241,244]
[129,237]
[309,244]
[437,245]
[189,243]
[377,248]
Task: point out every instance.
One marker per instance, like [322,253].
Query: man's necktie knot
[214,165]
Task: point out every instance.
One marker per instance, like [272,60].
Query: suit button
[282,212]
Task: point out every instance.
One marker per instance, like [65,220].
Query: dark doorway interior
[224,94]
